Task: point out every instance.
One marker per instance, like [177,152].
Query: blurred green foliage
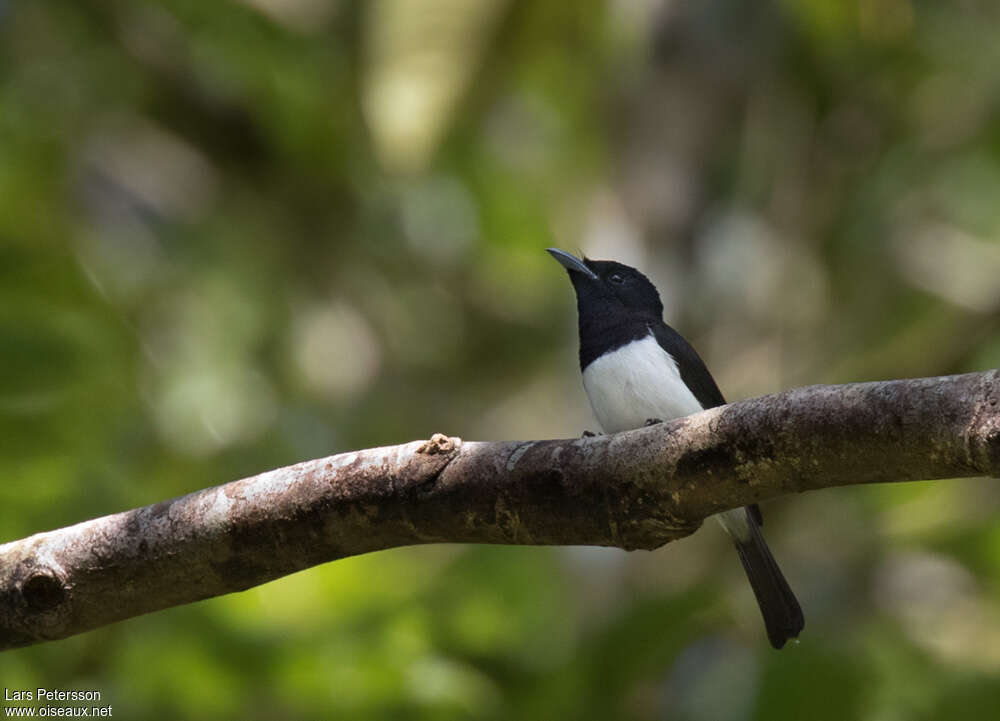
[237,235]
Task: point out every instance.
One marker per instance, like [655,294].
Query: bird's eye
[616,278]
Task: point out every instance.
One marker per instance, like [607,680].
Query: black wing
[693,371]
[695,375]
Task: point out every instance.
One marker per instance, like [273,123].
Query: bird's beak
[571,262]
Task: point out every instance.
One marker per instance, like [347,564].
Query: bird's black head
[610,291]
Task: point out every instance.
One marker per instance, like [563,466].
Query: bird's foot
[652,422]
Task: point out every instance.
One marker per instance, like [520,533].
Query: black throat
[602,333]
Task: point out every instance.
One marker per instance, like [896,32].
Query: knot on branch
[989,449]
[439,443]
[43,591]
[983,434]
[37,605]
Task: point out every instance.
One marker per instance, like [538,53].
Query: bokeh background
[237,235]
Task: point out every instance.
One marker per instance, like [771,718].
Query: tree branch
[638,489]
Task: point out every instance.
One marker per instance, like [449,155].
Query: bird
[637,370]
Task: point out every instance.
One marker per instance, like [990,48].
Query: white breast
[637,382]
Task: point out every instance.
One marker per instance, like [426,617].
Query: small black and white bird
[637,368]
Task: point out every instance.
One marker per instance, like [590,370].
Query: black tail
[778,605]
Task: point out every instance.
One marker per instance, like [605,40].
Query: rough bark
[638,489]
